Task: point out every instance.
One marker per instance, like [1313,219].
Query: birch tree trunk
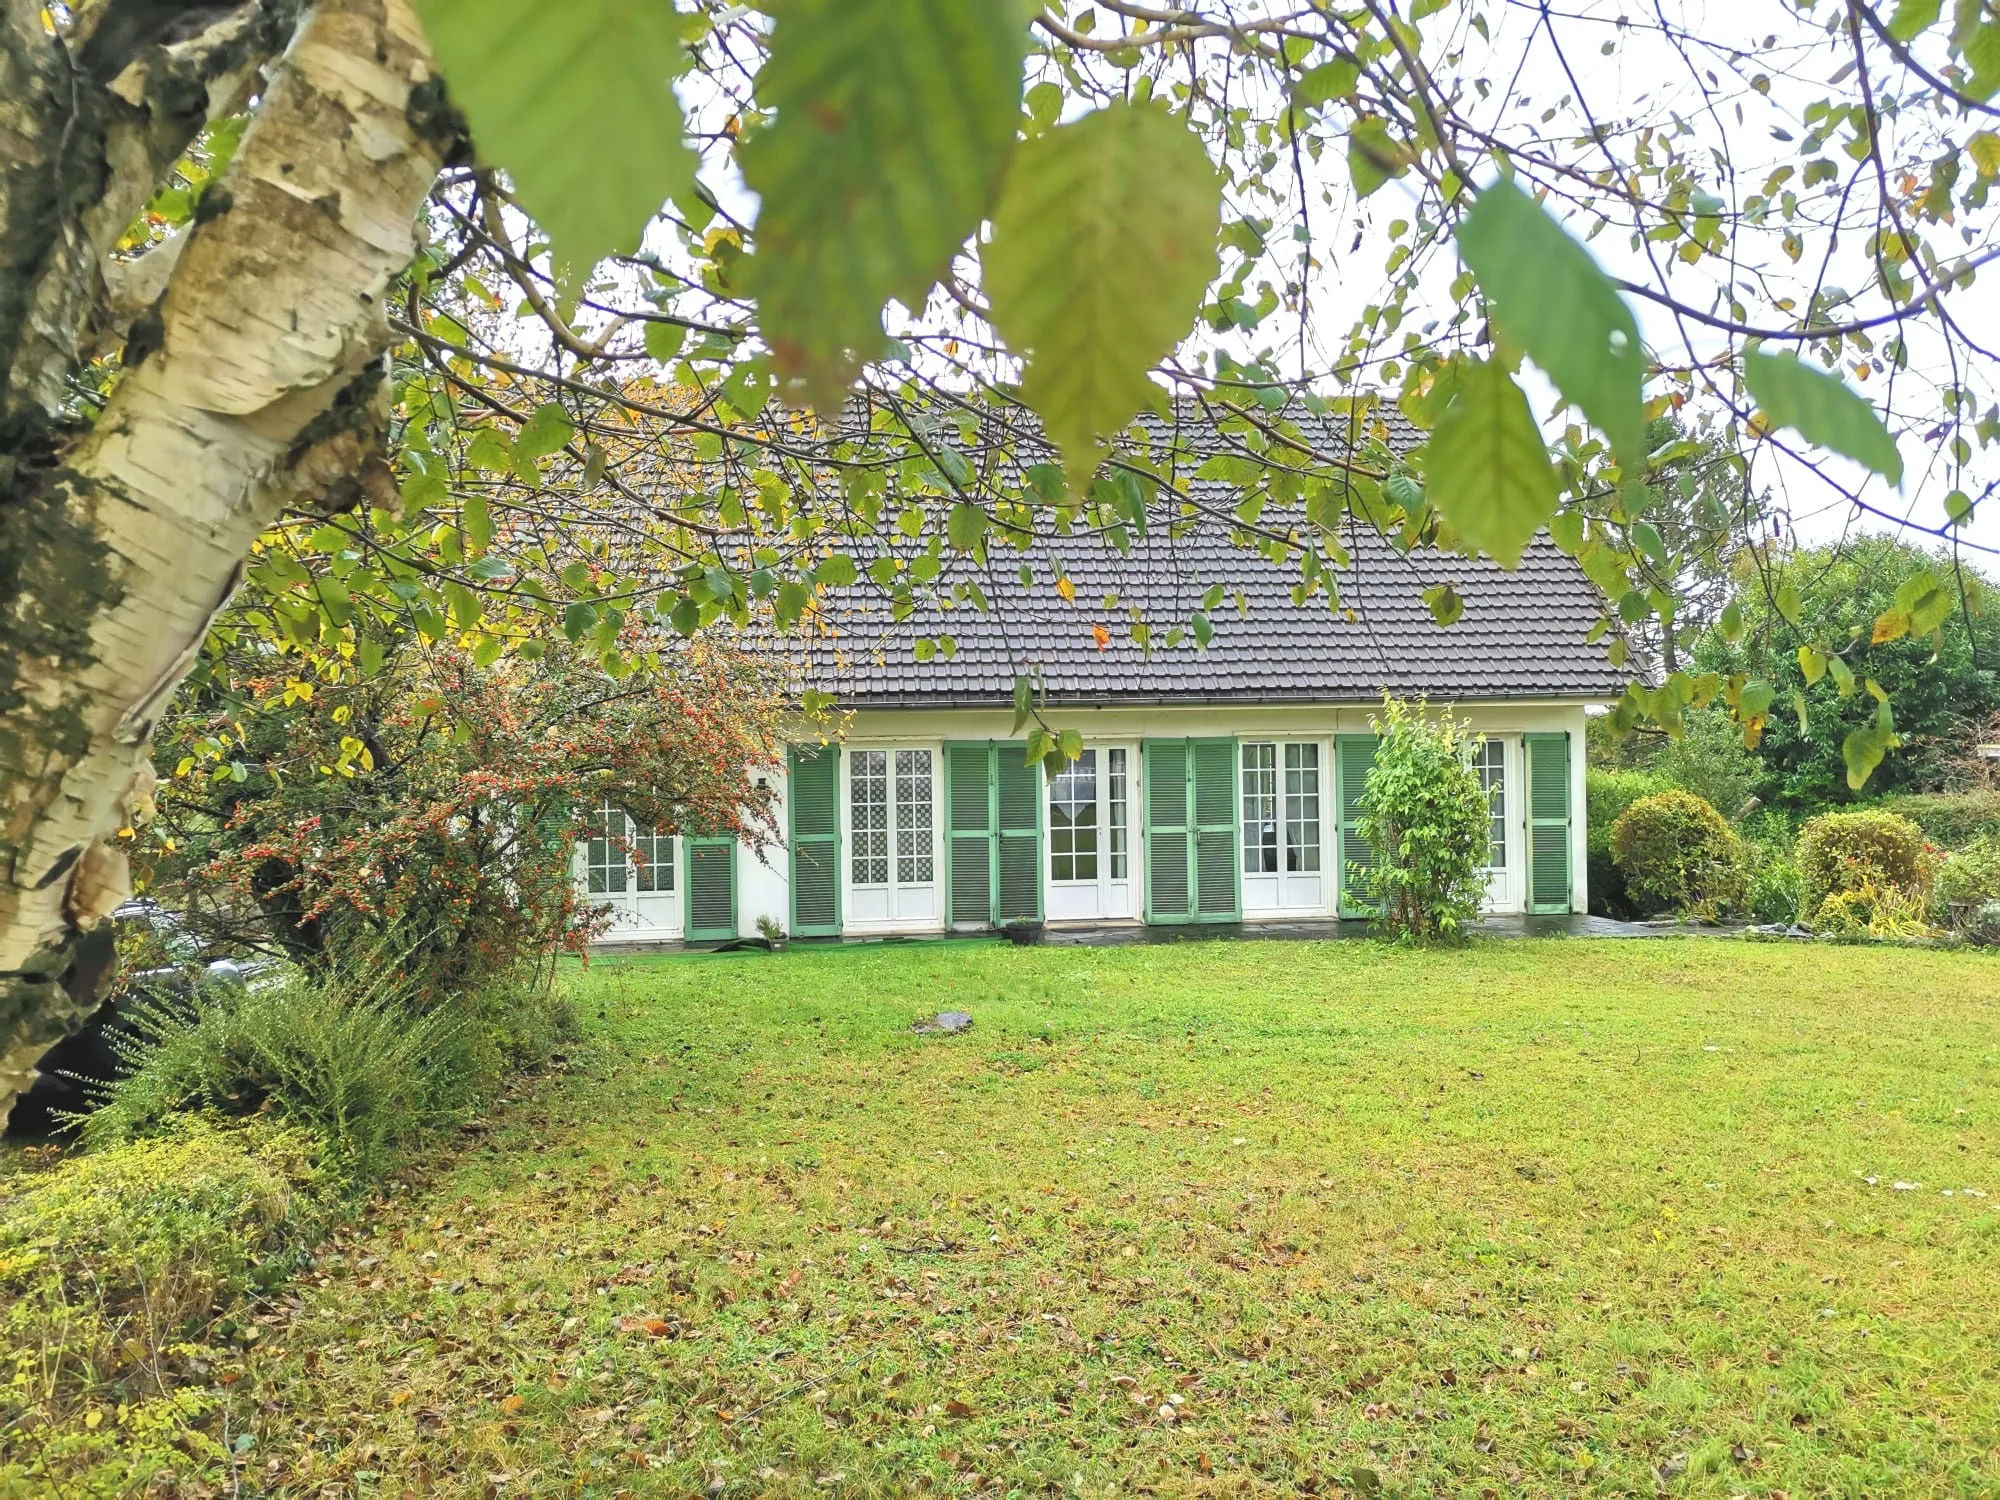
[256,380]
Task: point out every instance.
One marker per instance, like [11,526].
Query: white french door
[630,871]
[1090,837]
[1283,835]
[892,851]
[1493,759]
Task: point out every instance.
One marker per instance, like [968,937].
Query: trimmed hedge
[1679,854]
[1951,820]
[1847,851]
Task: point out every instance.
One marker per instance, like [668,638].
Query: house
[1216,784]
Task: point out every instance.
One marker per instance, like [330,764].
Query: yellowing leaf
[894,123]
[1549,297]
[575,100]
[1103,244]
[1488,470]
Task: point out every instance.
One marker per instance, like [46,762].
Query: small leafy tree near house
[1429,817]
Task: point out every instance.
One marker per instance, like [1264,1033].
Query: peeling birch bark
[271,315]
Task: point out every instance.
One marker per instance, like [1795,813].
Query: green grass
[1529,1219]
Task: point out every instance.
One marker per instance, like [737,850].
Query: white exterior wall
[763,883]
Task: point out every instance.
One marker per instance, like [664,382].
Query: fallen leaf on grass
[957,1408]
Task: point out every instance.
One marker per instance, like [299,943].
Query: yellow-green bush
[115,1266]
[1852,851]
[1874,910]
[1678,854]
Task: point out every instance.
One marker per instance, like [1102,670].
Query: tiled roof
[1521,635]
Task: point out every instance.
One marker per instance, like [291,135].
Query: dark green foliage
[1950,820]
[1426,812]
[1965,896]
[1708,759]
[1679,854]
[1847,851]
[1608,791]
[1937,703]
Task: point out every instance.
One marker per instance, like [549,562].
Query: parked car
[73,1070]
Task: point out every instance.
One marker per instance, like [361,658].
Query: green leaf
[478,520]
[1732,622]
[579,620]
[1925,601]
[1822,410]
[1958,507]
[1329,80]
[1446,606]
[664,341]
[1373,155]
[1103,245]
[576,101]
[1549,298]
[546,431]
[1812,663]
[894,122]
[1843,675]
[1788,602]
[1488,472]
[965,526]
[1913,18]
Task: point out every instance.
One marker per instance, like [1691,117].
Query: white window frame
[1286,890]
[637,915]
[897,904]
[1506,884]
[1104,897]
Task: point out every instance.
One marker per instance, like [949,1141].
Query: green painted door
[1192,871]
[711,890]
[1212,800]
[993,834]
[1353,755]
[1017,854]
[1169,840]
[814,806]
[1549,883]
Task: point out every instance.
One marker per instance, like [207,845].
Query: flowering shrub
[1678,854]
[425,811]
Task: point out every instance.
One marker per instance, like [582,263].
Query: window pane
[656,860]
[1115,813]
[913,817]
[605,858]
[1260,809]
[1073,820]
[868,816]
[1302,809]
[1491,758]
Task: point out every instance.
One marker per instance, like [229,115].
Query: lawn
[1691,1217]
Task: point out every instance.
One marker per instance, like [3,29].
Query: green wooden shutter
[1353,755]
[1216,867]
[1548,822]
[968,845]
[711,890]
[814,804]
[1017,805]
[1169,897]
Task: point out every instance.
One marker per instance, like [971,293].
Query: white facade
[893,819]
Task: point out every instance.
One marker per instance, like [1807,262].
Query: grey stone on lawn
[947,1021]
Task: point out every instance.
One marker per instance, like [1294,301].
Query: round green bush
[1841,852]
[1679,854]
